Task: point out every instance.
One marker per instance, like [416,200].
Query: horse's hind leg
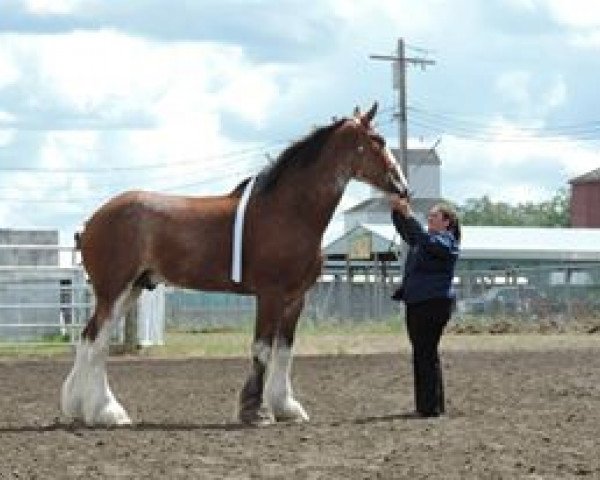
[86,394]
[252,410]
[279,393]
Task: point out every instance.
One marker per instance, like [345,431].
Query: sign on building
[361,247]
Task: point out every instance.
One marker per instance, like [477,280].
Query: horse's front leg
[279,393]
[252,410]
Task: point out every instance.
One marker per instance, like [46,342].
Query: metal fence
[561,292]
[46,308]
[328,301]
[43,295]
[50,303]
[51,311]
[43,311]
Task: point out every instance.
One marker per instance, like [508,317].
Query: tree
[550,213]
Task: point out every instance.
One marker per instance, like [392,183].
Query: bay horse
[138,239]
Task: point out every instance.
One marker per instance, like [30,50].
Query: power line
[589,131]
[498,136]
[239,173]
[254,164]
[254,157]
[400,61]
[137,168]
[592,126]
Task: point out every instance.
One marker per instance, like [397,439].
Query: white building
[38,298]
[424,180]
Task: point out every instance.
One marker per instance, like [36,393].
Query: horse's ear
[368,117]
[356,112]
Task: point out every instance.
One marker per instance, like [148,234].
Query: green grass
[390,325]
[27,350]
[203,344]
[333,338]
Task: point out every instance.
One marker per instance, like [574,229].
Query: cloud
[576,14]
[51,7]
[9,73]
[87,101]
[104,79]
[533,97]
[579,18]
[512,165]
[265,30]
[89,84]
[586,41]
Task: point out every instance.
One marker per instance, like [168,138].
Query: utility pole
[400,61]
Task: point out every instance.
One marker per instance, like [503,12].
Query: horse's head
[373,161]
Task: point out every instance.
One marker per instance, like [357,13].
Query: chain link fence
[563,293]
[559,293]
[56,309]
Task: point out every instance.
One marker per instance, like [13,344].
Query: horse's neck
[321,188]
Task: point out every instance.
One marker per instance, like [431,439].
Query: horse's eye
[378,139]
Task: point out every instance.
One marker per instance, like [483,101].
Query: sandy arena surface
[517,414]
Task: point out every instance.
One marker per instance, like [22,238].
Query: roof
[420,156]
[381,204]
[593,176]
[557,244]
[373,204]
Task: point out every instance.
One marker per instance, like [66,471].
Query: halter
[390,163]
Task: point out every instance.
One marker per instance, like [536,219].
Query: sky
[190,97]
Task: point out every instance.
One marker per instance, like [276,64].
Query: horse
[139,239]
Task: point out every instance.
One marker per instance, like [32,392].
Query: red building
[585,200]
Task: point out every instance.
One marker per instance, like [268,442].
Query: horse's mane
[299,154]
[237,191]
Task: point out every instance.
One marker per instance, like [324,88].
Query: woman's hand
[400,204]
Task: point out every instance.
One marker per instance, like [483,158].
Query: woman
[428,294]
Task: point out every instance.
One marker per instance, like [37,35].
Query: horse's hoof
[116,419]
[257,418]
[111,415]
[292,419]
[293,412]
[108,422]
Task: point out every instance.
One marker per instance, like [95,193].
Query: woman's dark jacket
[430,262]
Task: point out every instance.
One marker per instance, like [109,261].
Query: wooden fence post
[130,340]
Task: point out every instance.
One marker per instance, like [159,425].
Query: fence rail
[559,292]
[48,306]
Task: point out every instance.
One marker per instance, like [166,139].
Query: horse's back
[135,205]
[140,231]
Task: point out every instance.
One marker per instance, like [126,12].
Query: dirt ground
[512,414]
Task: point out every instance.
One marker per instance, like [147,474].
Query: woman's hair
[448,213]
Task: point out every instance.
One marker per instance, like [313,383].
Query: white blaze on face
[398,173]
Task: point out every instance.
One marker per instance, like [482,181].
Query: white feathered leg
[279,395]
[71,395]
[251,409]
[86,394]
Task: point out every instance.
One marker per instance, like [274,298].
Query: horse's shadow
[387,418]
[75,427]
[78,427]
